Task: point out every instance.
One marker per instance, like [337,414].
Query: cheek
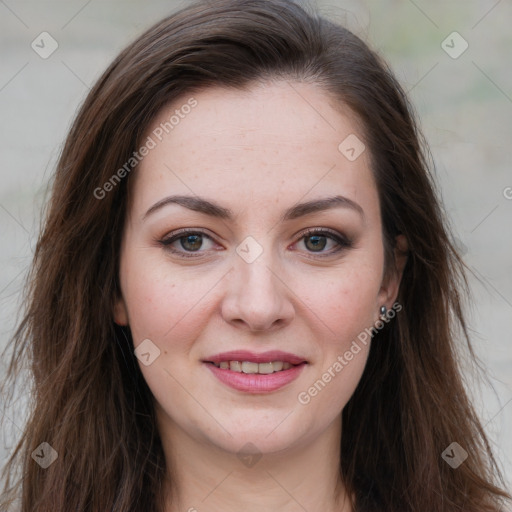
[346,379]
[344,300]
[163,306]
[346,306]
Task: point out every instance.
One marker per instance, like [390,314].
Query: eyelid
[336,235]
[184,231]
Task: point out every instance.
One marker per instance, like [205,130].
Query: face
[257,275]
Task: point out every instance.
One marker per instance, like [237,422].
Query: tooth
[265,368]
[249,367]
[254,368]
[277,365]
[235,366]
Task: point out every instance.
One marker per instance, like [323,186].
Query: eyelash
[341,240]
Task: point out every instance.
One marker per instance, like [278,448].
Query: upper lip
[263,357]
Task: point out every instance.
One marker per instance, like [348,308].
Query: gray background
[464,103]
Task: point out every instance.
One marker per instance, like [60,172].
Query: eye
[188,242]
[316,240]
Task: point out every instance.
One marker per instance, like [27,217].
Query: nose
[257,297]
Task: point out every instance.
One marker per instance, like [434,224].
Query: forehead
[265,142]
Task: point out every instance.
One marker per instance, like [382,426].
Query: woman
[245,293]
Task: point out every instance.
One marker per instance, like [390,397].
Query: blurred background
[453,57]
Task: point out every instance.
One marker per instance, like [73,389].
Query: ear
[391,283]
[120,312]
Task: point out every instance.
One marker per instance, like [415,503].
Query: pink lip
[264,357]
[256,383]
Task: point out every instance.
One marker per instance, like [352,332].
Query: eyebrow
[201,205]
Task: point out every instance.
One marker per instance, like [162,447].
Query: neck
[205,477]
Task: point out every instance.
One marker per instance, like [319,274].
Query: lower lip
[255,382]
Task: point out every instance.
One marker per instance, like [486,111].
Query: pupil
[194,240]
[315,239]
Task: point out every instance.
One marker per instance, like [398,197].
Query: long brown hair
[90,402]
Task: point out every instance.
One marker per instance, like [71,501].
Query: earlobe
[120,313]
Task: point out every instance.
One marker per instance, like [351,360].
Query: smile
[251,367]
[252,372]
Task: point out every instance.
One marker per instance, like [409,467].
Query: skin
[257,152]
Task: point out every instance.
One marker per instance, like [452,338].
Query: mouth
[251,367]
[256,373]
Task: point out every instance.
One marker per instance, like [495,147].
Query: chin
[265,437]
